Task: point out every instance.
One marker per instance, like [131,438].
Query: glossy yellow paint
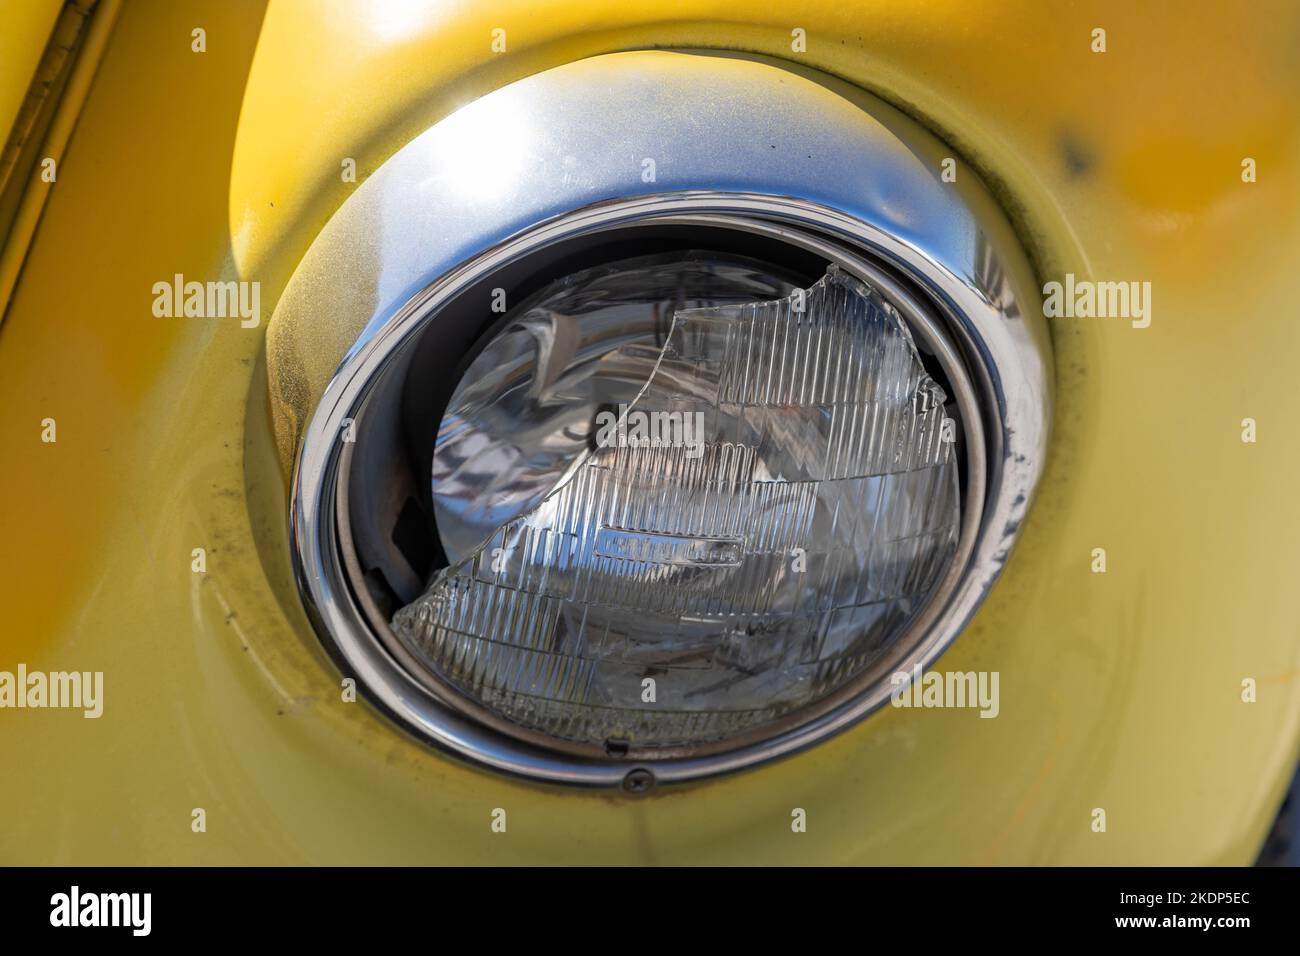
[1119,690]
[27,26]
[44,123]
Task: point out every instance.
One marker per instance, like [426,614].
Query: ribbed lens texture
[745,535]
[523,413]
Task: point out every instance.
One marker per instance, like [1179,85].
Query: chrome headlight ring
[745,146]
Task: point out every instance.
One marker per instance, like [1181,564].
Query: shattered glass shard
[674,592]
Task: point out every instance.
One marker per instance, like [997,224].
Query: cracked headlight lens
[682,499]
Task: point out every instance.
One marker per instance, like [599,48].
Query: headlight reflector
[748,533]
[371,336]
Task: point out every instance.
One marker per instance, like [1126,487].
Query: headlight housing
[773,500]
[492,640]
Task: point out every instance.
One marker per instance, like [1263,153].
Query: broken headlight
[679,507]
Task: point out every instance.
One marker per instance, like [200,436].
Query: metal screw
[638,781]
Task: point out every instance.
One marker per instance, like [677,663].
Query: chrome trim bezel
[975,280]
[870,681]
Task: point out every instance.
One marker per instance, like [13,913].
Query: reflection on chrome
[582,346]
[649,595]
[795,158]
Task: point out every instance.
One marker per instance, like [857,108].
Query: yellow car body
[1123,690]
